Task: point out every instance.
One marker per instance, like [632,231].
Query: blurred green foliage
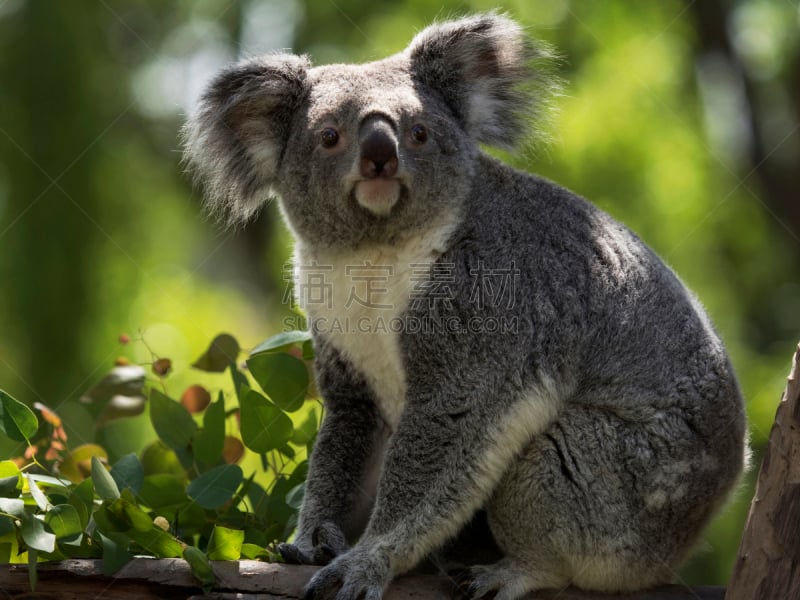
[681,119]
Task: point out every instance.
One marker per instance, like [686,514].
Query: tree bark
[768,564]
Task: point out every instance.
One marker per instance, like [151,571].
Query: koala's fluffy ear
[483,67]
[235,139]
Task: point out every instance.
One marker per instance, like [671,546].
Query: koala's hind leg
[600,502]
[512,578]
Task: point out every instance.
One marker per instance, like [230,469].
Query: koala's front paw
[361,573]
[327,542]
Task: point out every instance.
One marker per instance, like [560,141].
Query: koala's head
[360,153]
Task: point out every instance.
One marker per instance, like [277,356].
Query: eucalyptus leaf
[162,489]
[281,341]
[12,506]
[209,441]
[225,544]
[222,351]
[172,422]
[264,426]
[115,551]
[215,487]
[307,430]
[295,496]
[9,486]
[157,542]
[63,520]
[38,496]
[254,552]
[201,567]
[104,484]
[17,421]
[77,465]
[128,472]
[283,377]
[35,535]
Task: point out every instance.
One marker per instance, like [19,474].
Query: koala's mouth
[378,195]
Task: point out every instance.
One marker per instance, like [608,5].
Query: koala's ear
[234,141]
[483,67]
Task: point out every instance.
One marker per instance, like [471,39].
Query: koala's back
[593,298]
[651,421]
[593,310]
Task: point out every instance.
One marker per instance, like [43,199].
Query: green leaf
[77,465]
[33,573]
[83,496]
[209,441]
[308,350]
[222,351]
[9,486]
[110,518]
[12,506]
[287,451]
[307,430]
[9,468]
[157,542]
[239,379]
[115,551]
[10,479]
[104,484]
[201,567]
[47,481]
[283,377]
[35,535]
[128,473]
[264,426]
[215,487]
[254,552]
[158,458]
[225,544]
[38,496]
[162,490]
[17,421]
[140,520]
[172,422]
[63,520]
[295,496]
[281,341]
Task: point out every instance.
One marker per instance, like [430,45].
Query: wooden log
[153,579]
[768,563]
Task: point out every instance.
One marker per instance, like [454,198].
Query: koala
[490,342]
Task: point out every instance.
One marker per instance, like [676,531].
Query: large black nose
[378,150]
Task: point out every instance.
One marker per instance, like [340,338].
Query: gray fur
[599,433]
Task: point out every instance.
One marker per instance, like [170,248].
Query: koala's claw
[466,585]
[327,542]
[293,555]
[361,574]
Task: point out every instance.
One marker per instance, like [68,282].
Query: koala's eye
[419,134]
[329,137]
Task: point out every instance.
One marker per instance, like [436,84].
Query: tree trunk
[768,564]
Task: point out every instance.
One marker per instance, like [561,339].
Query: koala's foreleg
[450,450]
[344,465]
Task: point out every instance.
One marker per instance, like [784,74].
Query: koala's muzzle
[378,190]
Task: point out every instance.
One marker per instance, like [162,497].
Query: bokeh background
[680,118]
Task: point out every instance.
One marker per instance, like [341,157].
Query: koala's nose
[378,152]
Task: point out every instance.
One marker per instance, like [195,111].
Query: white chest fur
[357,298]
